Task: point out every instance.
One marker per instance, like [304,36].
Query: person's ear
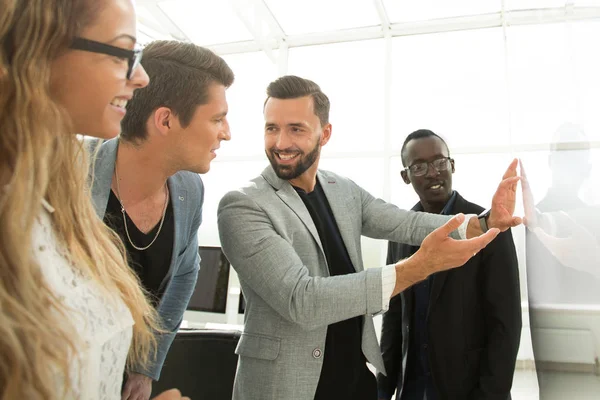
[405,177]
[452,165]
[163,119]
[326,134]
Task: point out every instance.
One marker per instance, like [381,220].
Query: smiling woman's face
[94,87]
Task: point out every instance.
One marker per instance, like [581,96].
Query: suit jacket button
[317,353]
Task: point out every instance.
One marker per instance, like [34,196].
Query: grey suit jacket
[187,197]
[270,239]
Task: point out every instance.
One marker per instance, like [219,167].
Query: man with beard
[471,314]
[293,236]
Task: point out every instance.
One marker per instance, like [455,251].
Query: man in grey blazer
[146,185]
[293,236]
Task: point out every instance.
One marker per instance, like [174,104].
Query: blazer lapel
[288,195]
[338,199]
[440,278]
[179,203]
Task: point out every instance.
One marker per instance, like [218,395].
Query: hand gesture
[503,202]
[440,252]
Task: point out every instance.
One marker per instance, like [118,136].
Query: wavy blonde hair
[40,158]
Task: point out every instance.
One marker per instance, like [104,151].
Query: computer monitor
[210,294]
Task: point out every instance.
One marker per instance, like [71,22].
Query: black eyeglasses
[420,169]
[133,57]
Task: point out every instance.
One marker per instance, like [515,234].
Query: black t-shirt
[345,374]
[152,264]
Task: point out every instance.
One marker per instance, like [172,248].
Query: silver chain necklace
[162,219]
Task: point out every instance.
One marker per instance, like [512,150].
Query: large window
[352,76]
[452,83]
[253,73]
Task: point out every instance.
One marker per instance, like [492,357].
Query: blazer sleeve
[391,338]
[271,267]
[382,220]
[503,319]
[178,292]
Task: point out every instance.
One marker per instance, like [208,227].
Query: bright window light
[222,178]
[553,75]
[253,73]
[532,4]
[204,24]
[309,16]
[452,83]
[144,14]
[352,76]
[365,172]
[406,11]
[587,3]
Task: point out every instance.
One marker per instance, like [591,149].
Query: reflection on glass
[563,257]
[562,241]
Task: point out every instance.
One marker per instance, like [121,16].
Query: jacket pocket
[258,346]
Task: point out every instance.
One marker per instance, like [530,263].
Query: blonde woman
[71,311]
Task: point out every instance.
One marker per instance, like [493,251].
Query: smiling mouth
[286,157]
[119,102]
[437,186]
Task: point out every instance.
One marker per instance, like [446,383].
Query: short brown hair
[180,76]
[293,87]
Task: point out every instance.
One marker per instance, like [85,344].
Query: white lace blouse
[102,321]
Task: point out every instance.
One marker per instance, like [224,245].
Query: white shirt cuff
[388,283]
[462,229]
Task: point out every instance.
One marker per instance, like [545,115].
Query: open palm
[503,202]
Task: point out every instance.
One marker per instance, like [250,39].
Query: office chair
[201,363]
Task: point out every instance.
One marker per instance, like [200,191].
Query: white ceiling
[242,25]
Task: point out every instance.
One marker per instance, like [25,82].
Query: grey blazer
[270,239]
[187,197]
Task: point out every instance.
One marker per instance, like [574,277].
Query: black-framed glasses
[420,169]
[133,57]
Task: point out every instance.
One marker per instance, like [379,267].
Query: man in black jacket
[455,335]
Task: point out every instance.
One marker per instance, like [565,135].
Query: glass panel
[563,250]
[356,95]
[204,24]
[253,73]
[587,78]
[452,83]
[309,16]
[553,80]
[404,11]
